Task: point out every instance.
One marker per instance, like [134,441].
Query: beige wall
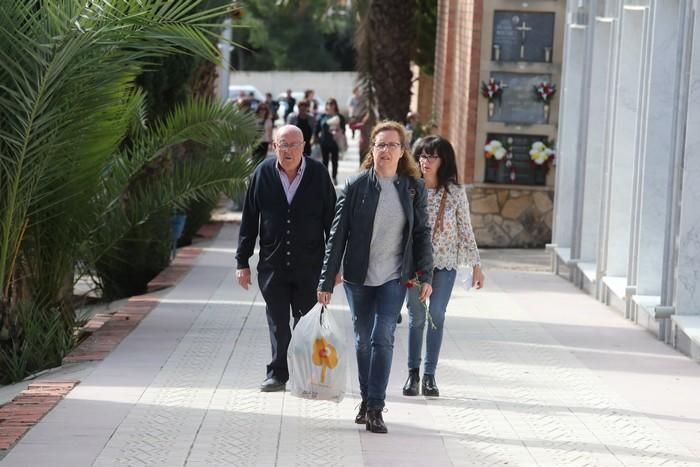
[487,66]
[326,84]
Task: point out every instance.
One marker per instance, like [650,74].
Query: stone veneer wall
[511,217]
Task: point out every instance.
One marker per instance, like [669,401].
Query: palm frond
[216,128]
[67,69]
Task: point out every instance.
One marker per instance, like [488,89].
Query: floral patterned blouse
[454,245]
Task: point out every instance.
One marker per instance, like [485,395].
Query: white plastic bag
[464,277]
[316,357]
[316,152]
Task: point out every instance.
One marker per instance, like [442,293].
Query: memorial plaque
[518,105]
[522,37]
[526,173]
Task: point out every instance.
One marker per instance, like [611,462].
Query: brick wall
[425,97]
[456,92]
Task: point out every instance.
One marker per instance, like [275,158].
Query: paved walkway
[533,372]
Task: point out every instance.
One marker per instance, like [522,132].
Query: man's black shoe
[272,385]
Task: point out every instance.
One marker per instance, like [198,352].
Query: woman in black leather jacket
[381,234]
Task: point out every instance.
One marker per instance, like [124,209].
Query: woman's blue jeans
[443,282]
[374,314]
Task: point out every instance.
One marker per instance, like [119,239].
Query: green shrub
[36,338]
[198,214]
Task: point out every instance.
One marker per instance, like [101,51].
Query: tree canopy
[311,35]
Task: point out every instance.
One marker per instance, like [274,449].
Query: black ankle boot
[429,388]
[411,386]
[361,418]
[375,422]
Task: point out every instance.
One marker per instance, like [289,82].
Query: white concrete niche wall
[624,137]
[687,295]
[598,88]
[570,121]
[656,154]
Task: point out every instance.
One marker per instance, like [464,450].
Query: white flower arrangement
[540,153]
[496,150]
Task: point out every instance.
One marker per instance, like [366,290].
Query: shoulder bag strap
[441,213]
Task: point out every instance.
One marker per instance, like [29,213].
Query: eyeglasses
[384,146]
[287,146]
[428,157]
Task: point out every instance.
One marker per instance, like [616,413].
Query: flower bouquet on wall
[492,90]
[544,93]
[542,155]
[502,154]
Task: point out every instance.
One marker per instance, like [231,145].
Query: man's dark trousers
[285,291]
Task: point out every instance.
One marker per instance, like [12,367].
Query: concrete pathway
[532,372]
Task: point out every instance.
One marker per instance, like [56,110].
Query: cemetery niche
[522,37]
[508,160]
[517,103]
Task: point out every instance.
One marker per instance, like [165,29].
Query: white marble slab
[655,157]
[687,300]
[597,123]
[622,158]
[569,132]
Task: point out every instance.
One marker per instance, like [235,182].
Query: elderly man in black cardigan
[290,205]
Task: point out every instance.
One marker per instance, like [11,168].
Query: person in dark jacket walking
[381,233]
[289,204]
[305,122]
[329,127]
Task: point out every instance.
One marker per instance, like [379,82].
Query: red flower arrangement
[545,91]
[492,89]
[417,283]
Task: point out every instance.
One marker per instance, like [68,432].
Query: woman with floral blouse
[453,246]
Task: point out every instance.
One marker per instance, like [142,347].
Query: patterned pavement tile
[512,394]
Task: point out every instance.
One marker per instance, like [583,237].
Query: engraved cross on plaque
[523,28]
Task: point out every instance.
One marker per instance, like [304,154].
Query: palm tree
[153,175]
[67,74]
[385,44]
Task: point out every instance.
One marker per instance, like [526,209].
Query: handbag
[340,140]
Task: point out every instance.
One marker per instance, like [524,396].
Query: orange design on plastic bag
[324,355]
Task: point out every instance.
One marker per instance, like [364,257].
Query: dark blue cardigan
[292,236]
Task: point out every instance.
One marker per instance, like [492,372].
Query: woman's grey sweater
[387,232]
